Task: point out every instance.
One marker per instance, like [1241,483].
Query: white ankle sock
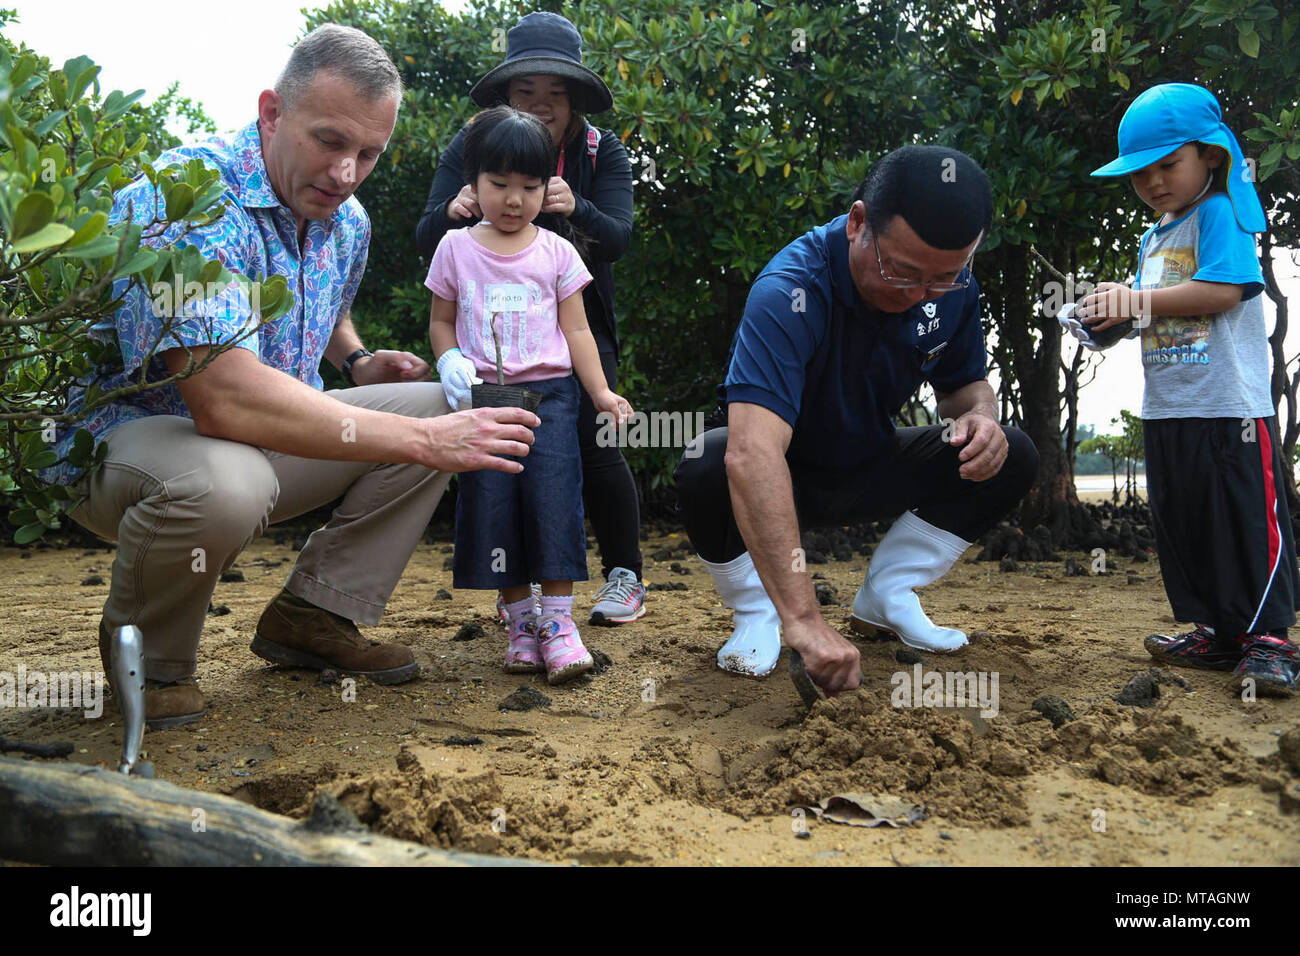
[557,604]
[521,610]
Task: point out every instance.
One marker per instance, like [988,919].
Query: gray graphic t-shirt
[1205,366]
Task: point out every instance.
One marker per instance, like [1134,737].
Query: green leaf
[116,103]
[42,459]
[144,259]
[85,75]
[1249,43]
[83,447]
[180,200]
[89,230]
[32,214]
[211,272]
[50,235]
[49,122]
[29,533]
[22,516]
[59,89]
[54,157]
[36,279]
[95,249]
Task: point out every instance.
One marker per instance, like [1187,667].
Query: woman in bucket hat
[1214,461]
[590,199]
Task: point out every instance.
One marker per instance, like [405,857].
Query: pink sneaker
[562,648]
[523,655]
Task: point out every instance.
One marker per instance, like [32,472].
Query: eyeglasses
[900,283]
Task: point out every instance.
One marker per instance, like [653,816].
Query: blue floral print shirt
[257,236]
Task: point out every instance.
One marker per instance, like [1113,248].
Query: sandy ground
[662,758]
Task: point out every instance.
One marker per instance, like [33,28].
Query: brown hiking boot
[172,703]
[166,703]
[295,632]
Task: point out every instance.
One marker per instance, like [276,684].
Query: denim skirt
[516,529]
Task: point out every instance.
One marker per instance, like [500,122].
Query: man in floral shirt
[195,470]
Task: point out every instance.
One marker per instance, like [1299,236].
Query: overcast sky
[134,41]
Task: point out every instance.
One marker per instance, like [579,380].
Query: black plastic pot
[1113,334]
[504,396]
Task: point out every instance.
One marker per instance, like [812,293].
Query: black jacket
[602,212]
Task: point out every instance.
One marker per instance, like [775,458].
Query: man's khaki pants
[181,507]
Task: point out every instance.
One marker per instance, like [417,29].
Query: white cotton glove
[457,374]
[1076,328]
[1089,340]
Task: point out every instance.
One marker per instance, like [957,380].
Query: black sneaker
[1198,648]
[1274,663]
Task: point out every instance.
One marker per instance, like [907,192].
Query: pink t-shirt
[523,290]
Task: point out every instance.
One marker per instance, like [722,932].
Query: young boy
[1215,471]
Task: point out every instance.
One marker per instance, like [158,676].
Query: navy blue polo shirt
[810,350]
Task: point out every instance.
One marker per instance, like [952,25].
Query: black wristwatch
[351,360]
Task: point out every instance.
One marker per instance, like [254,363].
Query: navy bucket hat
[543,43]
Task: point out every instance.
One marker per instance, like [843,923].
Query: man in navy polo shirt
[839,331]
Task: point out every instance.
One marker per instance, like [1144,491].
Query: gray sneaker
[620,599]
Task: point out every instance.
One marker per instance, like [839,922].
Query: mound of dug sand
[950,764]
[464,808]
[1157,753]
[860,743]
[962,769]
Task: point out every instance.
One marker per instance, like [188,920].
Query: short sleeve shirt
[519,294]
[1205,366]
[256,236]
[837,371]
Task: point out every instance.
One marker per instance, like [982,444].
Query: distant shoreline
[1105,483]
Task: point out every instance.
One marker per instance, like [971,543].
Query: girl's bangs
[514,145]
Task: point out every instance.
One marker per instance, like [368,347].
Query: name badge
[507,297]
[1152,271]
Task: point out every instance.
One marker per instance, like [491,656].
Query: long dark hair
[504,140]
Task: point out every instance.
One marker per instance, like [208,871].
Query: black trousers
[918,472]
[608,490]
[1223,530]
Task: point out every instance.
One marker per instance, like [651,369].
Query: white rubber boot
[755,644]
[912,554]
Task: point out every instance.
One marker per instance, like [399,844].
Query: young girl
[1213,457]
[526,282]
